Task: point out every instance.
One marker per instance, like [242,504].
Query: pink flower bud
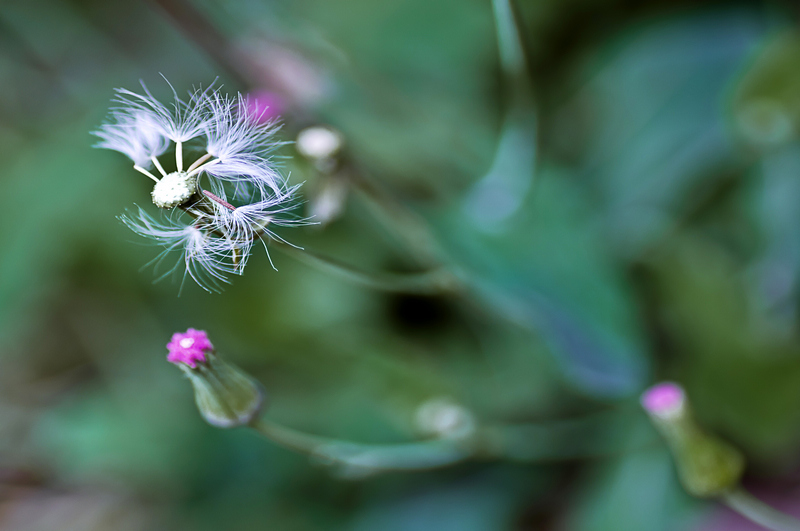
[663,399]
[707,466]
[225,395]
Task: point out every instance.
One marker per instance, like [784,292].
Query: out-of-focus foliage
[651,230]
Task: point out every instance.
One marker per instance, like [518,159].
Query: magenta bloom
[663,399]
[189,348]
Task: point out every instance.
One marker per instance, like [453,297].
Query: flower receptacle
[174,189]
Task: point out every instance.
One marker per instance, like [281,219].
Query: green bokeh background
[645,225]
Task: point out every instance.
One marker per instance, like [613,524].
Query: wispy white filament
[205,258]
[241,142]
[253,221]
[182,122]
[136,133]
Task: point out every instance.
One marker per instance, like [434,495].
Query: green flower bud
[707,466]
[225,396]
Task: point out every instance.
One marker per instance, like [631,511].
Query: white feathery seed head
[214,234]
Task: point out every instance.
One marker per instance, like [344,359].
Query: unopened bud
[707,466]
[225,396]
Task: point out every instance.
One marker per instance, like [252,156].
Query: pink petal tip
[663,398]
[189,348]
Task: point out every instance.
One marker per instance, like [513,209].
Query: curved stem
[434,281]
[356,459]
[759,512]
[513,168]
[409,229]
[512,58]
[425,283]
[578,438]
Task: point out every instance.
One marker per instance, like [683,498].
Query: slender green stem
[362,459]
[759,512]
[427,282]
[562,440]
[512,57]
[513,169]
[410,229]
